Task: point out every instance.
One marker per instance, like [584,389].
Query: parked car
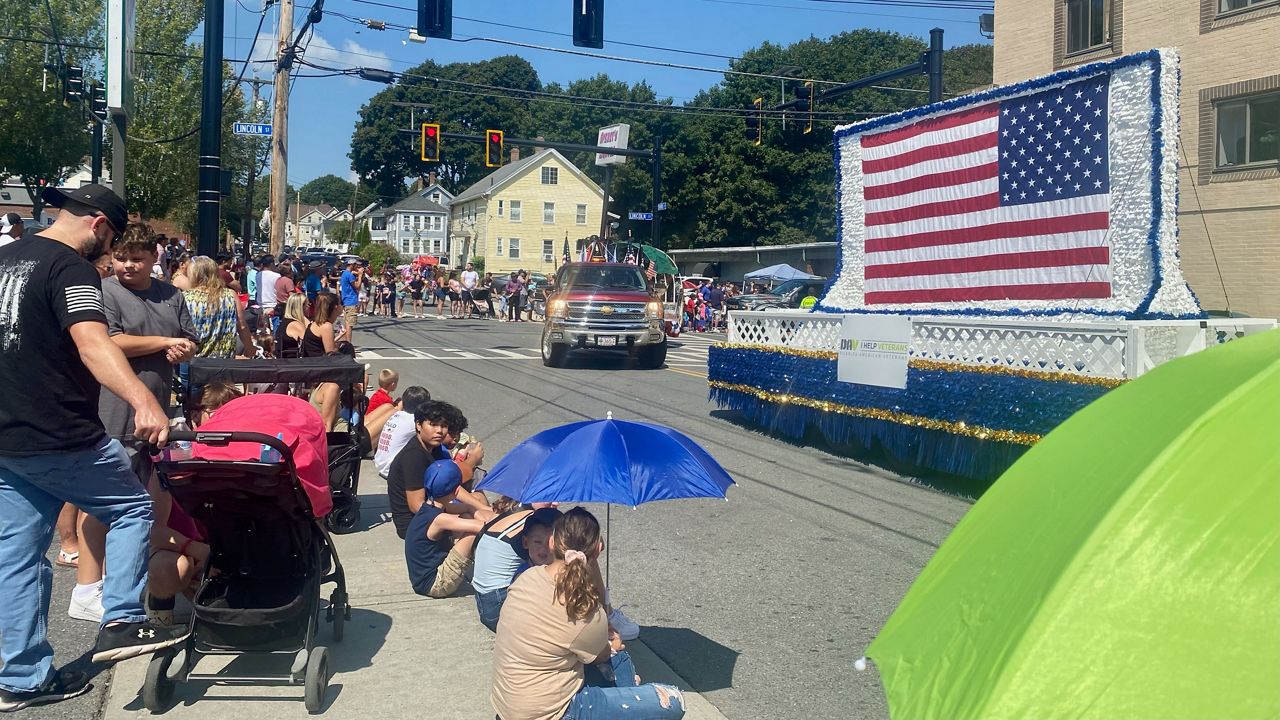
[787,295]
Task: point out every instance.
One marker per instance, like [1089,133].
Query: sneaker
[89,608]
[122,641]
[64,686]
[626,627]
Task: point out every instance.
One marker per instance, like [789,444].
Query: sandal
[68,559]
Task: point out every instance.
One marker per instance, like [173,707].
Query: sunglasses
[115,233]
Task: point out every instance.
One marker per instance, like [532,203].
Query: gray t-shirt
[158,311]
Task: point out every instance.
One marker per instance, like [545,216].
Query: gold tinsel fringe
[921,364]
[955,428]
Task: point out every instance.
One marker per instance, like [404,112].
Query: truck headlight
[653,310]
[558,309]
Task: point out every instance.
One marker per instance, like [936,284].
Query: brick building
[1230,159]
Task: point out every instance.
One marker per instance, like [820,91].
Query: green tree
[385,156]
[328,189]
[378,254]
[339,232]
[42,141]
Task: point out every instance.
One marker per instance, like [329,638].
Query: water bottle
[178,449]
[270,454]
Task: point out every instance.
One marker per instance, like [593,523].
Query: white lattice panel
[1120,349]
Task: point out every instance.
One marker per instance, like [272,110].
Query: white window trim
[516,211]
[513,248]
[499,249]
[548,206]
[500,208]
[580,214]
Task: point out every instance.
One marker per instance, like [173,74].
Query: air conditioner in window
[547,257]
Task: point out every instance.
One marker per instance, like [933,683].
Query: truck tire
[553,354]
[653,357]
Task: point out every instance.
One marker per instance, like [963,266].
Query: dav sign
[614,136]
[874,350]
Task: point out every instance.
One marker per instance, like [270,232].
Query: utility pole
[248,223]
[656,224]
[280,128]
[209,198]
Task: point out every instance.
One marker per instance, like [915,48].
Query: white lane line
[463,354]
[368,355]
[513,355]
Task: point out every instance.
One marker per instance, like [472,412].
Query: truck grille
[608,316]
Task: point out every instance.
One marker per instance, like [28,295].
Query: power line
[840,12]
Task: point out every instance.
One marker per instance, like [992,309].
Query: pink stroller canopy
[298,423]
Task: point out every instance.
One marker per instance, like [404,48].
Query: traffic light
[73,87]
[493,148]
[588,23]
[805,100]
[435,19]
[98,101]
[755,122]
[430,142]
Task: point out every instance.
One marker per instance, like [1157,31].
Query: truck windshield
[785,288]
[610,277]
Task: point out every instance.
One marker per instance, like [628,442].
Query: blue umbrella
[607,461]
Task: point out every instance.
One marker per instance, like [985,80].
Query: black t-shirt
[416,285]
[405,474]
[50,399]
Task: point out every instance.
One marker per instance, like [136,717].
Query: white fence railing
[1116,349]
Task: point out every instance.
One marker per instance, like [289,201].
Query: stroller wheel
[157,688]
[317,678]
[338,613]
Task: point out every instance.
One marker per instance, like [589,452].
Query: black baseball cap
[94,196]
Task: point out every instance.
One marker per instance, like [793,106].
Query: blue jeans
[625,699]
[98,480]
[489,606]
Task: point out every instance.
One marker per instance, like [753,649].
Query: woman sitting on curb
[553,623]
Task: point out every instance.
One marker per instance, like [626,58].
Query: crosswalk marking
[684,352]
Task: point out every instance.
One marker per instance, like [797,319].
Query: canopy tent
[779,273]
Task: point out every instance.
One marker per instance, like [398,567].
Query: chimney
[417,185]
[515,154]
[431,178]
[538,148]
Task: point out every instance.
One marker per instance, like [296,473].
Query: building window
[1088,24]
[1248,131]
[548,250]
[513,248]
[404,223]
[550,176]
[404,245]
[499,208]
[1227,6]
[549,213]
[581,216]
[498,249]
[378,223]
[435,246]
[435,197]
[515,211]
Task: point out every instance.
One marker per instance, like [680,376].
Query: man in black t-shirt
[432,421]
[55,355]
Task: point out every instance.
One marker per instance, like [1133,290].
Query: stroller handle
[222,439]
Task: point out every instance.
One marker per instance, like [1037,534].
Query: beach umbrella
[662,262]
[1128,566]
[607,461]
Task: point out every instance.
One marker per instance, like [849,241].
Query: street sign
[614,136]
[252,129]
[662,206]
[639,216]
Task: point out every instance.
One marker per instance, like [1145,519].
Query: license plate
[607,340]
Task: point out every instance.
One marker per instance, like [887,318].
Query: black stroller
[346,448]
[270,554]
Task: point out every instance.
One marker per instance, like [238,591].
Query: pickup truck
[603,306]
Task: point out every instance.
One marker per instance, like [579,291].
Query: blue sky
[323,111]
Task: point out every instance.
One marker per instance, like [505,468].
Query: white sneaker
[87,609]
[626,627]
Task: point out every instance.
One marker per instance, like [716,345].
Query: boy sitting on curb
[436,561]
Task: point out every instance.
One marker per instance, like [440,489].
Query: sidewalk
[403,656]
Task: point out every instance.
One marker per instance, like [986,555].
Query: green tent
[1127,567]
[662,262]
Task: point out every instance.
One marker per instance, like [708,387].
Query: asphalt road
[762,602]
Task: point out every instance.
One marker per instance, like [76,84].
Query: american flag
[1007,200]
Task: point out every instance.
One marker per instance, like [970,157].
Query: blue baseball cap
[441,478]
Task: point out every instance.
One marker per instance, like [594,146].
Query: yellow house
[519,216]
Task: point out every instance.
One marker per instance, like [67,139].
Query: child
[388,381]
[504,550]
[436,561]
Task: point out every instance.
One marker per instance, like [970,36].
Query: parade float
[1014,251]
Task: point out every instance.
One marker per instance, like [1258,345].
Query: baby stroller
[260,499]
[346,448]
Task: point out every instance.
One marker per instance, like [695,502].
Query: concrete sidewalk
[403,656]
